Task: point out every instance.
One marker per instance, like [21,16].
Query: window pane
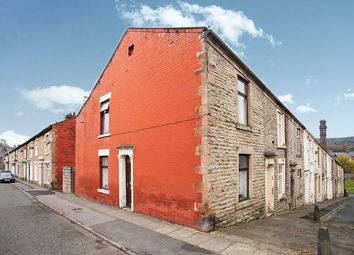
[104,105]
[104,178]
[242,87]
[105,122]
[243,161]
[243,181]
[104,161]
[242,110]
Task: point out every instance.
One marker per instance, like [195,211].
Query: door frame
[122,153]
[269,163]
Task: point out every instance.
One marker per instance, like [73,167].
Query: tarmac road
[345,215]
[27,227]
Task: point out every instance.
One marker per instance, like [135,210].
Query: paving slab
[198,238]
[145,241]
[217,244]
[239,249]
[182,233]
[79,213]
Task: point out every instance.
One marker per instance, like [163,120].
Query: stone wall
[226,139]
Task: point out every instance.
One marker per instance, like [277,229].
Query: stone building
[42,158]
[179,128]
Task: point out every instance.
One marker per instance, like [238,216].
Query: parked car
[6,176]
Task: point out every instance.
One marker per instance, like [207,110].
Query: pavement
[30,228]
[133,233]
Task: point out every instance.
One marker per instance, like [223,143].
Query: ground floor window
[281,180]
[299,181]
[243,177]
[104,172]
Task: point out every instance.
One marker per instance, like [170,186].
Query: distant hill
[345,140]
[345,144]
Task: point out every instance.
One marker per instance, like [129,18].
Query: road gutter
[328,215]
[113,243]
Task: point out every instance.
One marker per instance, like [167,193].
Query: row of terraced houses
[179,128]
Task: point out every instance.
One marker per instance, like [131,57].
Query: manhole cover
[39,192]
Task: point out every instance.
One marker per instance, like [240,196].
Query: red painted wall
[65,133]
[154,96]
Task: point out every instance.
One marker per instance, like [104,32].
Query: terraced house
[41,159]
[179,128]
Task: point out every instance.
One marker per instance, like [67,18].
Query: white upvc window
[36,148]
[46,145]
[104,172]
[281,128]
[281,178]
[104,113]
[31,150]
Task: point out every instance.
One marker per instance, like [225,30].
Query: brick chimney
[323,132]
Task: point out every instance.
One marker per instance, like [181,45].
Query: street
[298,231]
[27,227]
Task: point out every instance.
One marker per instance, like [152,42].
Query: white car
[6,176]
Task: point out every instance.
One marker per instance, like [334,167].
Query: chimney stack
[323,132]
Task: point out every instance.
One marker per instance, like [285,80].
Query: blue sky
[52,53]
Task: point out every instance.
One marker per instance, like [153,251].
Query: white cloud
[19,113]
[309,81]
[231,25]
[349,95]
[305,108]
[286,99]
[57,99]
[12,138]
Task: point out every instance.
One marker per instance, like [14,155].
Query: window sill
[243,127]
[103,191]
[281,147]
[104,135]
[244,204]
[282,198]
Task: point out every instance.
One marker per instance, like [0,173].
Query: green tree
[346,163]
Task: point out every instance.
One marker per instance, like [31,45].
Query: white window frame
[103,153]
[281,128]
[36,148]
[281,177]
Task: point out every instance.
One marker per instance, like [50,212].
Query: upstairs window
[36,148]
[298,141]
[243,177]
[242,101]
[104,117]
[281,128]
[46,144]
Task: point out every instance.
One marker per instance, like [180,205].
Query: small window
[46,144]
[298,140]
[131,50]
[280,128]
[242,99]
[243,177]
[299,181]
[36,148]
[104,172]
[281,179]
[105,117]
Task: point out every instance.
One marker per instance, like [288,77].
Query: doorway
[128,184]
[269,187]
[292,189]
[126,178]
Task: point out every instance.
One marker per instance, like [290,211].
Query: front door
[270,190]
[292,189]
[128,183]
